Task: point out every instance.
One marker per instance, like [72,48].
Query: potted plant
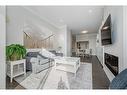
[15,52]
[15,55]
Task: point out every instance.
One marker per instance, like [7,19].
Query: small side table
[16,68]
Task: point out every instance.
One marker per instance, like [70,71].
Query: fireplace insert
[111,62]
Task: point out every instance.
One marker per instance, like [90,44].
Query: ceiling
[35,29]
[41,32]
[77,18]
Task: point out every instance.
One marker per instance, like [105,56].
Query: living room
[54,29]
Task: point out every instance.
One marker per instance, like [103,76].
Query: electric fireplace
[111,62]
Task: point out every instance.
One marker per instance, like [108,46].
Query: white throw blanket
[46,53]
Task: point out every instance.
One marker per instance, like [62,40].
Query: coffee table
[68,64]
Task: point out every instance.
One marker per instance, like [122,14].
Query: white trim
[124,37]
[2,47]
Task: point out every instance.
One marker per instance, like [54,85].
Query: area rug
[57,79]
[63,80]
[31,80]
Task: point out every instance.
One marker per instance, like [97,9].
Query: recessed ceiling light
[90,11]
[84,31]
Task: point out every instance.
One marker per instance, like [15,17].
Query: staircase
[46,43]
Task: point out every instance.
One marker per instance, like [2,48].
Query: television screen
[106,32]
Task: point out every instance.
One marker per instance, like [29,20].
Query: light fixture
[84,31]
[106,27]
[90,11]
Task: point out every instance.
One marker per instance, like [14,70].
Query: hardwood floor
[100,80]
[13,85]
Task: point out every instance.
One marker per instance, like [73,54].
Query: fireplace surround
[111,62]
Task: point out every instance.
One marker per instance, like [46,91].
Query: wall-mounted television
[106,38]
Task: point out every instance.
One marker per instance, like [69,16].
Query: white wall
[99,47]
[14,25]
[61,39]
[100,54]
[88,37]
[117,33]
[2,48]
[69,43]
[116,48]
[125,37]
[22,19]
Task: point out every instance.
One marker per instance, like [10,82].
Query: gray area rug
[63,80]
[31,80]
[57,79]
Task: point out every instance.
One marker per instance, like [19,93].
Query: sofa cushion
[32,54]
[53,52]
[120,81]
[43,61]
[41,56]
[46,53]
